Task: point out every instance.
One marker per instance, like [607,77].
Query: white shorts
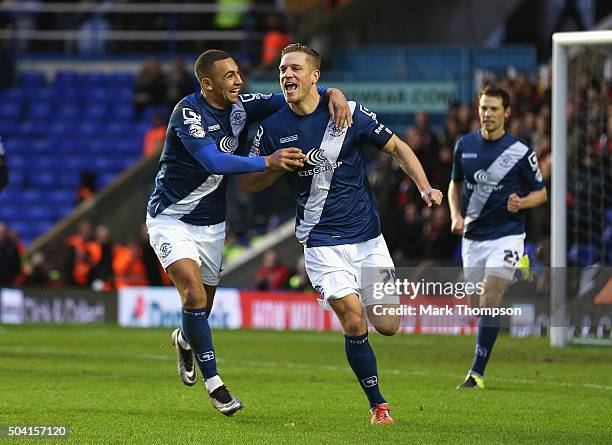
[338,271]
[172,240]
[497,257]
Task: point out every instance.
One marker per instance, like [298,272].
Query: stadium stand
[59,130]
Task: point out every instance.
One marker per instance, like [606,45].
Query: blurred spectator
[38,273]
[228,17]
[101,251]
[299,281]
[155,136]
[78,262]
[7,57]
[232,249]
[10,261]
[3,167]
[180,82]
[150,86]
[91,35]
[271,274]
[438,242]
[128,266]
[87,186]
[407,240]
[428,138]
[274,40]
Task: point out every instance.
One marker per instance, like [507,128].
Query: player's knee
[193,296]
[491,299]
[353,325]
[388,327]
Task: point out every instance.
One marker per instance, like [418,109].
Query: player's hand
[339,109]
[285,159]
[432,197]
[514,203]
[457,225]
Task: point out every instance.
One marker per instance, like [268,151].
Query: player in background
[3,167]
[336,216]
[186,212]
[500,178]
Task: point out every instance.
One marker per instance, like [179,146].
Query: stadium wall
[150,307]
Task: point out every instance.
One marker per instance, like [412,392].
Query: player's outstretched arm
[454,203]
[533,199]
[279,162]
[405,157]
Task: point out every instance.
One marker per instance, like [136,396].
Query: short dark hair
[315,57]
[493,91]
[206,60]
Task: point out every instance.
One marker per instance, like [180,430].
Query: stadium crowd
[413,232]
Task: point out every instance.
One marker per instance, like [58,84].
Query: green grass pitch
[114,385]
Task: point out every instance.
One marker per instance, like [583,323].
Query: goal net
[581,217]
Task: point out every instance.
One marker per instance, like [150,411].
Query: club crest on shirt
[196,131]
[505,161]
[165,249]
[238,117]
[335,131]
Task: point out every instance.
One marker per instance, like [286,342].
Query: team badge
[196,131]
[505,161]
[335,131]
[238,117]
[165,249]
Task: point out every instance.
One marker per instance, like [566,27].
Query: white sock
[182,342]
[213,383]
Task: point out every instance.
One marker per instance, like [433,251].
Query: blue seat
[61,197]
[124,112]
[46,180]
[32,128]
[9,213]
[94,79]
[119,129]
[123,96]
[10,110]
[123,79]
[17,162]
[43,147]
[32,78]
[98,95]
[42,111]
[91,129]
[9,127]
[97,112]
[69,111]
[128,147]
[43,95]
[61,129]
[15,95]
[67,78]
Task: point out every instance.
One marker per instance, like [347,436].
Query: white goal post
[562,42]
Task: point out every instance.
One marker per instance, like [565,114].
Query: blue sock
[488,328]
[363,362]
[197,332]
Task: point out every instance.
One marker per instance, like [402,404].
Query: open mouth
[235,92]
[290,87]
